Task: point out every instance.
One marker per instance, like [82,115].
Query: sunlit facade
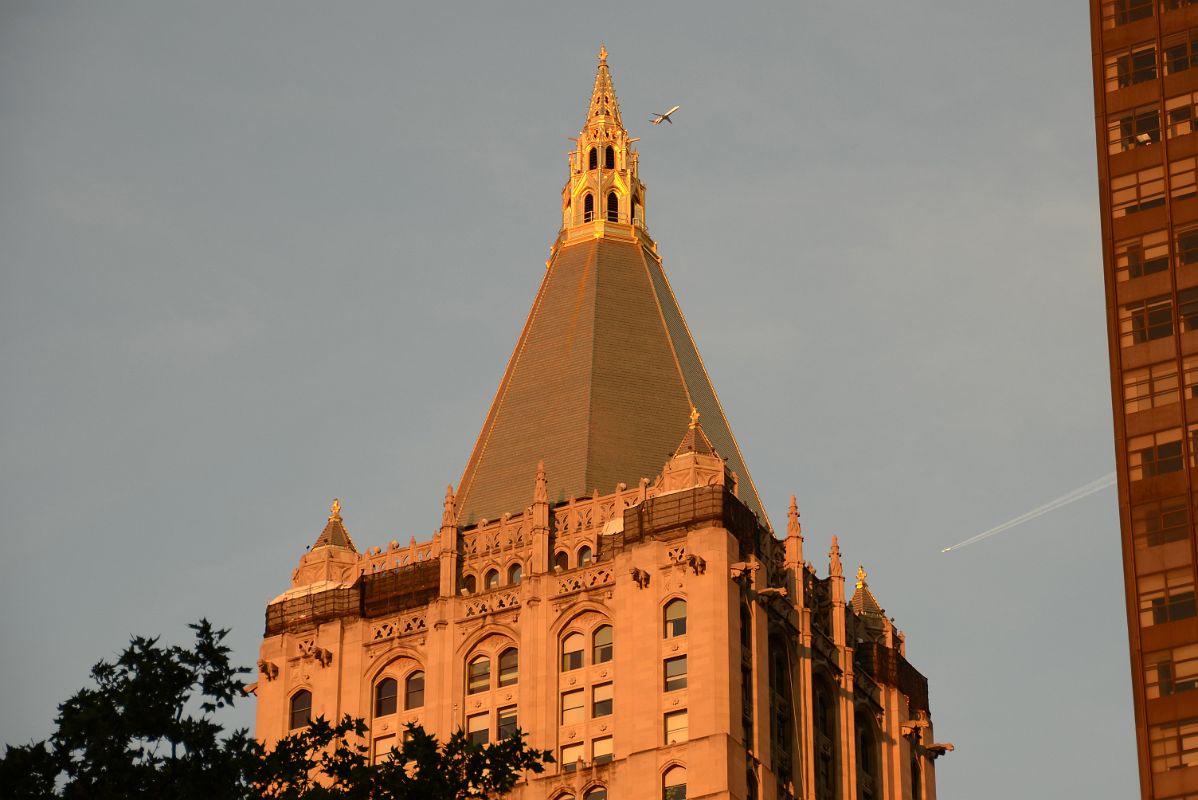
[632,611]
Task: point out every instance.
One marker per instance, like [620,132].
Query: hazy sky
[256,256]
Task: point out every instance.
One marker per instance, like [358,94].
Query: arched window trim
[561,559]
[668,630]
[579,558]
[581,651]
[613,207]
[500,679]
[609,157]
[593,158]
[595,645]
[490,579]
[469,583]
[665,773]
[589,792]
[516,569]
[471,671]
[588,207]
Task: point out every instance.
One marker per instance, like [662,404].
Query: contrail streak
[1039,511]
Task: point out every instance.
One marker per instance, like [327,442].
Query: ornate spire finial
[793,526]
[335,511]
[861,576]
[694,417]
[835,568]
[541,492]
[602,54]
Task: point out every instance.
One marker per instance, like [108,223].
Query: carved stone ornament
[269,670]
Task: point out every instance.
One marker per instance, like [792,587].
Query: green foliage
[148,730]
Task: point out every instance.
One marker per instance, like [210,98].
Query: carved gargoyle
[269,670]
[640,576]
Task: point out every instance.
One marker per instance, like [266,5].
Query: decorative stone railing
[491,602]
[589,578]
[399,626]
[507,533]
[376,559]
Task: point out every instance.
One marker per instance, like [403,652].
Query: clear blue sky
[253,257]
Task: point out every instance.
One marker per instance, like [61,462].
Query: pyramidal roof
[605,374]
[334,533]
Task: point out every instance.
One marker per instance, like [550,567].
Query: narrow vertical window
[514,573]
[413,690]
[509,667]
[468,584]
[507,722]
[561,559]
[609,158]
[601,653]
[385,696]
[588,208]
[601,700]
[479,675]
[675,616]
[613,207]
[677,727]
[301,709]
[593,159]
[572,652]
[491,581]
[675,673]
[584,555]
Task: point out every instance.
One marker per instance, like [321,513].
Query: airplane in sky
[660,118]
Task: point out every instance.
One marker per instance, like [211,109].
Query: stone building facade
[640,620]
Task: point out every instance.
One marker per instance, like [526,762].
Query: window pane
[492,579]
[514,574]
[507,722]
[603,645]
[673,784]
[572,652]
[509,667]
[571,755]
[675,676]
[573,707]
[480,676]
[478,728]
[584,556]
[601,750]
[414,691]
[301,709]
[382,748]
[675,615]
[385,695]
[601,700]
[677,728]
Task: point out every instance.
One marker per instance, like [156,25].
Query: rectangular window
[1131,66]
[507,722]
[1150,387]
[1145,321]
[677,727]
[601,700]
[1187,246]
[1155,454]
[601,750]
[1121,12]
[1189,369]
[1173,671]
[1173,745]
[675,673]
[1136,128]
[1143,255]
[573,707]
[478,728]
[1187,308]
[1179,115]
[1166,596]
[571,756]
[479,676]
[382,749]
[1137,191]
[1183,182]
[1154,524]
[1180,52]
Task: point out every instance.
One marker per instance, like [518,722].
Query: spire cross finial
[602,54]
[694,417]
[335,510]
[861,576]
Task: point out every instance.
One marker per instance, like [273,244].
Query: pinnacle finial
[861,576]
[694,417]
[335,511]
[793,526]
[541,491]
[449,516]
[602,54]
[835,568]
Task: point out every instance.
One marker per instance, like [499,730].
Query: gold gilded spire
[694,418]
[605,109]
[335,511]
[861,576]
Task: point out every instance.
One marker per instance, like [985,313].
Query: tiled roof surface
[335,535]
[600,387]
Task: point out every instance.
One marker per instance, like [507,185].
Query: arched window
[301,709]
[602,651]
[609,158]
[868,756]
[675,617]
[599,792]
[413,690]
[468,583]
[593,159]
[613,207]
[491,581]
[588,207]
[514,573]
[509,666]
[561,560]
[572,652]
[385,693]
[584,555]
[673,784]
[478,675]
